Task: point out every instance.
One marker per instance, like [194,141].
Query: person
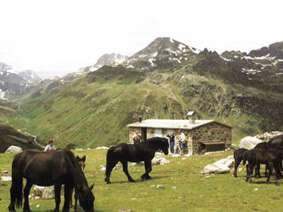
[136,138]
[182,139]
[50,146]
[171,137]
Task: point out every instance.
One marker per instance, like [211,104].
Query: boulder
[40,192]
[14,149]
[219,167]
[6,178]
[159,161]
[249,142]
[268,135]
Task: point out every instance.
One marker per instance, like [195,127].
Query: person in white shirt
[50,146]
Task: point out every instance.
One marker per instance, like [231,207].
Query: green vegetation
[182,187]
[96,109]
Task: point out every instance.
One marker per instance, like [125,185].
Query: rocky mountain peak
[273,50]
[163,52]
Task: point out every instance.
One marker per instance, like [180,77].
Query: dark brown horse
[143,151]
[81,162]
[45,169]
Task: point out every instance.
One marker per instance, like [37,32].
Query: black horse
[271,157]
[46,169]
[143,151]
[238,158]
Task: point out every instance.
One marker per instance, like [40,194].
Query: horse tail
[108,159]
[17,183]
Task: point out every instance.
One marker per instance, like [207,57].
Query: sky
[55,37]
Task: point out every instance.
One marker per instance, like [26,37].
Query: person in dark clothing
[171,137]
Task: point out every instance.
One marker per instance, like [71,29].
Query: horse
[143,151]
[272,157]
[45,169]
[81,162]
[238,158]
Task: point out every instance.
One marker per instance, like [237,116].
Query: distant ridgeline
[162,81]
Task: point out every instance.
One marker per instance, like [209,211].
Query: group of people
[181,138]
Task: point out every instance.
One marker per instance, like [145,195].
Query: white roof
[172,124]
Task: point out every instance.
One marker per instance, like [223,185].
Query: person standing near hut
[136,138]
[181,139]
[171,137]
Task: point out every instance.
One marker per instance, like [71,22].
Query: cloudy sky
[54,37]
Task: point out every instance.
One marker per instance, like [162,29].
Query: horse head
[81,161]
[164,145]
[86,197]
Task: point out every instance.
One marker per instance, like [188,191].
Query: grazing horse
[238,157]
[81,162]
[271,157]
[45,169]
[143,151]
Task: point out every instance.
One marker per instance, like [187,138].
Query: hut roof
[173,124]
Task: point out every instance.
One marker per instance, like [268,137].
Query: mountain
[107,59]
[162,53]
[14,84]
[164,80]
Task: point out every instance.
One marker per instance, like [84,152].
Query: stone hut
[201,135]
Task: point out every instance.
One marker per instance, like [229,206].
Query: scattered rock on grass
[6,178]
[219,167]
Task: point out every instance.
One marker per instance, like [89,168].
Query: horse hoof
[131,180]
[108,182]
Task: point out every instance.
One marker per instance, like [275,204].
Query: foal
[82,165]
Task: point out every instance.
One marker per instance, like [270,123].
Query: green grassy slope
[95,109]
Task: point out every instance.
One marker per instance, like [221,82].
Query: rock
[268,135]
[159,161]
[43,192]
[102,147]
[249,142]
[102,168]
[219,167]
[14,149]
[6,178]
[160,186]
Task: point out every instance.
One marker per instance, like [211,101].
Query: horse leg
[109,166]
[57,190]
[125,169]
[147,166]
[16,192]
[237,163]
[68,195]
[26,194]
[257,171]
[270,167]
[76,200]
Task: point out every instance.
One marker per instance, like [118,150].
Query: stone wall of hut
[212,132]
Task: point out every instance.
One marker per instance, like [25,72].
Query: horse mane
[76,169]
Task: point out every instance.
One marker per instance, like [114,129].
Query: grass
[183,188]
